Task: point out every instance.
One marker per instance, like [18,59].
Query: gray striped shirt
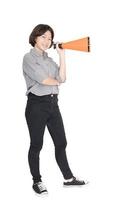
[36,68]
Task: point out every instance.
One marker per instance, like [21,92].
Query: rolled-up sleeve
[34,70]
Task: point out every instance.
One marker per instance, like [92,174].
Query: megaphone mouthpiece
[59,45]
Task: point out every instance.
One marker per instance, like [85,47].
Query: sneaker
[39,188]
[75,182]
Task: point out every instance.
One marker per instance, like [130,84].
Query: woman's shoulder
[28,57]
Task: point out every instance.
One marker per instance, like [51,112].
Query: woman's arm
[50,81]
[62,69]
[62,63]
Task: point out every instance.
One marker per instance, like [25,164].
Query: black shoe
[39,188]
[75,182]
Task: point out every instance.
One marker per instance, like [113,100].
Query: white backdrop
[96,101]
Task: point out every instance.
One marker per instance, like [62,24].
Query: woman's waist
[42,96]
[48,97]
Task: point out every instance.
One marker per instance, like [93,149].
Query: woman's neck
[39,50]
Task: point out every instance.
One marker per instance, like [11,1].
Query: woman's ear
[35,40]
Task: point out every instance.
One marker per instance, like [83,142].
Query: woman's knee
[36,147]
[61,145]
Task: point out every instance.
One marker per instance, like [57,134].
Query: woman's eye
[45,37]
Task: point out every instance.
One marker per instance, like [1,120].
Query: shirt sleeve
[34,70]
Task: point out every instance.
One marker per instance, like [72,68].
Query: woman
[43,76]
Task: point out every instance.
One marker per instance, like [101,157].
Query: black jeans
[43,111]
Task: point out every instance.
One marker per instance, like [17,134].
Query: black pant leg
[36,121]
[57,132]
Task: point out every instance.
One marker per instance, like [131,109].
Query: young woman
[43,76]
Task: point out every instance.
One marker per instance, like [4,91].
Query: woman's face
[43,42]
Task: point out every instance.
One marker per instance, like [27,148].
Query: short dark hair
[39,30]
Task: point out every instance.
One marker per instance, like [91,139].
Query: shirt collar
[36,53]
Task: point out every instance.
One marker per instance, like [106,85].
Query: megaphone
[82,44]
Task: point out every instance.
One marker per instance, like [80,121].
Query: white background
[96,101]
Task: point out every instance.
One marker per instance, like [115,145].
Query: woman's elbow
[63,80]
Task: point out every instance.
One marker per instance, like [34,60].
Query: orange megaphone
[82,44]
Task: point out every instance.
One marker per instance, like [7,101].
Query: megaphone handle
[59,45]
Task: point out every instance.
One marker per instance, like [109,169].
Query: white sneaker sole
[42,194]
